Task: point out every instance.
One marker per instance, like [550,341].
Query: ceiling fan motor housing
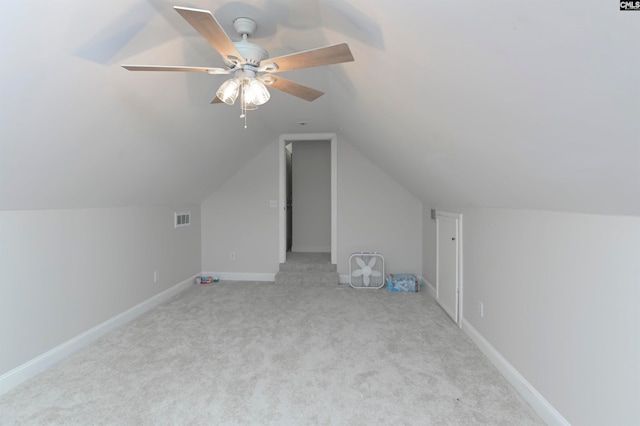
[252,53]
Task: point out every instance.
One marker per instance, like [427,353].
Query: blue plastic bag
[403,283]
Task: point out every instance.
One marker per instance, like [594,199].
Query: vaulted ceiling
[497,103]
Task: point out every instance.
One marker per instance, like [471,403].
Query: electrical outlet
[481,309]
[232,255]
[156,276]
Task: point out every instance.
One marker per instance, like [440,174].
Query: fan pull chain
[243,105]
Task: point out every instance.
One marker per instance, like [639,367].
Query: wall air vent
[181,219]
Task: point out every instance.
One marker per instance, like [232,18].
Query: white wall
[375,213]
[237,218]
[63,272]
[311,196]
[561,296]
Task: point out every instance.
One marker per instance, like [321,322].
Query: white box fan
[366,270]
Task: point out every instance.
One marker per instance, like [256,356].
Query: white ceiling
[497,103]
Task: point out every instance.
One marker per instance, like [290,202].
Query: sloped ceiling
[497,103]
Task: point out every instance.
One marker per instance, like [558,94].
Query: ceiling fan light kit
[228,92]
[249,64]
[256,92]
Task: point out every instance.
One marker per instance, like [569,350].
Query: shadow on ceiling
[296,14]
[347,20]
[104,46]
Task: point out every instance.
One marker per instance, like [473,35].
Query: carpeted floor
[258,353]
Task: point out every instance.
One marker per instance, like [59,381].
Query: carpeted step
[307,267]
[308,262]
[306,278]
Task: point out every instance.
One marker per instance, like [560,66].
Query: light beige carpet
[258,353]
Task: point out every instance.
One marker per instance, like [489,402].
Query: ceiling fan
[249,64]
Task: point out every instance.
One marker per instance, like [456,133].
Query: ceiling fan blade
[209,28]
[327,55]
[295,89]
[176,68]
[216,100]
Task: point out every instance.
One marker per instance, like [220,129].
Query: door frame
[282,202]
[459,249]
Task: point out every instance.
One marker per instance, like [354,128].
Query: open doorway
[302,216]
[308,196]
[289,201]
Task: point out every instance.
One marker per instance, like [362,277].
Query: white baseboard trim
[32,368]
[428,286]
[540,405]
[311,249]
[242,276]
[343,279]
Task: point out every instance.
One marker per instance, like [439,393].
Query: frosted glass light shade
[228,91]
[255,92]
[250,107]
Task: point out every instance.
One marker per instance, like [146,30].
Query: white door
[448,276]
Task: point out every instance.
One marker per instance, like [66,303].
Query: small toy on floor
[207,280]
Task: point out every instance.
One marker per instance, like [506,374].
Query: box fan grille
[366,270]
